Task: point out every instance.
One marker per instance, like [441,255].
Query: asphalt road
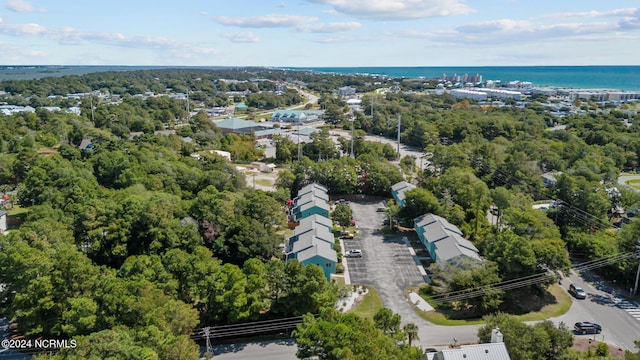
[405,150]
[264,350]
[9,354]
[622,180]
[619,326]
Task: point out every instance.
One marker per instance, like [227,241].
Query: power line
[583,217]
[247,329]
[527,280]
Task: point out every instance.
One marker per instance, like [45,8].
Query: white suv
[353,253]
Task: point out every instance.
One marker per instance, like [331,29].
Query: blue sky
[320,33]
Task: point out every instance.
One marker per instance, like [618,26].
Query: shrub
[602,349]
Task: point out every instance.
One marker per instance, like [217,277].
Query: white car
[353,253]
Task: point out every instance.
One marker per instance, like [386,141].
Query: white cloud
[243,37]
[73,36]
[398,9]
[22,6]
[22,29]
[329,27]
[307,24]
[266,21]
[16,54]
[595,14]
[527,31]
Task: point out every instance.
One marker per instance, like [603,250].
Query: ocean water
[582,77]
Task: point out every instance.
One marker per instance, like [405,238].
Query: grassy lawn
[285,232]
[370,304]
[264,182]
[634,183]
[17,210]
[560,307]
[338,280]
[47,151]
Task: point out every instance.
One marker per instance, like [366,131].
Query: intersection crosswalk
[633,308]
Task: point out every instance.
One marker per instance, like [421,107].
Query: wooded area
[133,244]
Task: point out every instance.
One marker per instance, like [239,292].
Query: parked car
[348,235]
[381,209]
[577,292]
[586,327]
[353,253]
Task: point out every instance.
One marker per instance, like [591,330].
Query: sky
[320,33]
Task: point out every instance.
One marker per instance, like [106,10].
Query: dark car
[586,327]
[577,292]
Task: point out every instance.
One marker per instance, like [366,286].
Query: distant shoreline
[610,77]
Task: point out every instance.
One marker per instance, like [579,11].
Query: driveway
[388,265]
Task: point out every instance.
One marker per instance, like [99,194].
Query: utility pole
[372,98]
[353,122]
[207,331]
[91,103]
[399,116]
[299,148]
[635,288]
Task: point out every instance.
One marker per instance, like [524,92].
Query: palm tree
[411,330]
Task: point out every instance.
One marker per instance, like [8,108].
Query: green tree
[342,214]
[536,342]
[420,201]
[411,330]
[513,254]
[387,322]
[335,336]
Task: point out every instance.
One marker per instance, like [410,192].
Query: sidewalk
[347,278]
[419,302]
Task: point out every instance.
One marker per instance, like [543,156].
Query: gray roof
[435,228]
[315,187]
[487,351]
[306,241]
[398,190]
[305,198]
[314,228]
[314,202]
[321,249]
[319,219]
[551,176]
[449,250]
[84,144]
[236,124]
[401,185]
[448,239]
[267,132]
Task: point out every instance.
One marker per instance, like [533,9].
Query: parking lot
[386,263]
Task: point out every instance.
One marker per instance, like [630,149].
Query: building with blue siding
[321,255]
[312,240]
[444,241]
[398,192]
